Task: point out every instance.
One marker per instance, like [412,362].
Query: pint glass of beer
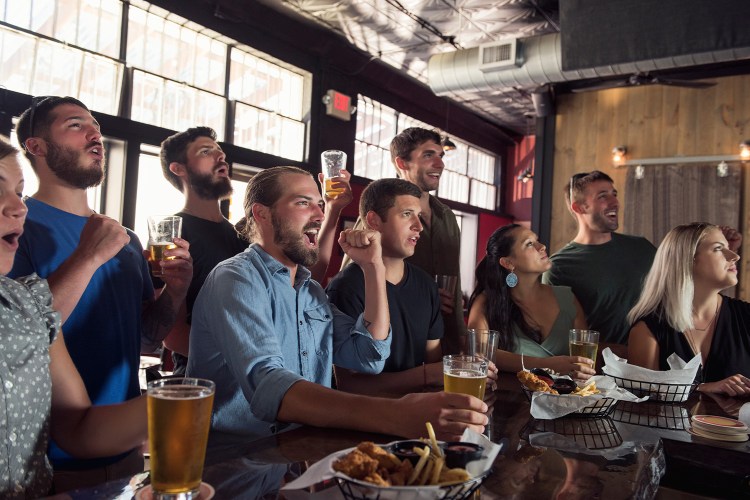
[465,374]
[179,417]
[332,162]
[162,230]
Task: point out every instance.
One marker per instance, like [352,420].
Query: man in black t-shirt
[392,207]
[194,163]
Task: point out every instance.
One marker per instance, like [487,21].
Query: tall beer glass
[332,162]
[465,374]
[179,417]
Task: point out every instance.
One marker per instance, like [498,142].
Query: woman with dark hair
[533,319]
[682,311]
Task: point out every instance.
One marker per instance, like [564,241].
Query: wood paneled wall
[654,121]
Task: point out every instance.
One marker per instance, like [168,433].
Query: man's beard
[208,189]
[291,242]
[63,162]
[603,224]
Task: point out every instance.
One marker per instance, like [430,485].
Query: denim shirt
[255,335]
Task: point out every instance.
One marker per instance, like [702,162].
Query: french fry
[433,441]
[424,454]
[426,473]
[437,468]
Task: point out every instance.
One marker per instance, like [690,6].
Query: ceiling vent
[498,55]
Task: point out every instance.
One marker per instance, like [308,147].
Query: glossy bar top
[625,455]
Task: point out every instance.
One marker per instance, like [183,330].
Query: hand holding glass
[584,343]
[465,374]
[332,163]
[179,417]
[162,230]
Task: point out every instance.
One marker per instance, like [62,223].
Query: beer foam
[180,392]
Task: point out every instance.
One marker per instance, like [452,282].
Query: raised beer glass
[332,162]
[465,374]
[179,417]
[162,230]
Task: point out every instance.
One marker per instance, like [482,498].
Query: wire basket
[666,393]
[353,489]
[594,434]
[601,408]
[661,416]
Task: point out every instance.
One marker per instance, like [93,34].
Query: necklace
[712,319]
[689,336]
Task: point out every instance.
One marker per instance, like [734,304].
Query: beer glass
[332,163]
[465,374]
[584,343]
[162,230]
[482,343]
[179,417]
[446,282]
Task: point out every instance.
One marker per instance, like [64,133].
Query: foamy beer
[179,417]
[162,230]
[332,162]
[465,374]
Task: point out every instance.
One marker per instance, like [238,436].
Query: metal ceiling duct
[540,63]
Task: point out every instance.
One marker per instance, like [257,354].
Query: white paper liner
[680,373]
[548,406]
[323,470]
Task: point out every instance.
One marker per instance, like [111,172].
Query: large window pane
[180,53]
[266,85]
[268,132]
[93,24]
[42,67]
[175,106]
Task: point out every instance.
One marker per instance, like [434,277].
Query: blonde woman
[681,310]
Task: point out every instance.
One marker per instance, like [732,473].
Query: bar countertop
[627,454]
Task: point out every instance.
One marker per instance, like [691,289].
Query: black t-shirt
[730,347]
[413,304]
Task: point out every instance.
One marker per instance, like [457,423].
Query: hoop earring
[511,279]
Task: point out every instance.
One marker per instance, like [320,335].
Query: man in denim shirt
[267,335]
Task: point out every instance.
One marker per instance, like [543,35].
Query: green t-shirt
[606,279]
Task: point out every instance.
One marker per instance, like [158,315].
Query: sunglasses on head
[575,178]
[36,102]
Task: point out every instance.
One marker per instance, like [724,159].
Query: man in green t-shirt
[605,269]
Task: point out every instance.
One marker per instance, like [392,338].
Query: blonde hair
[669,288]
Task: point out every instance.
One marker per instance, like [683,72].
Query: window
[173,105]
[42,67]
[171,47]
[270,105]
[94,24]
[469,175]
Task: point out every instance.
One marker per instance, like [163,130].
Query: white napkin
[548,406]
[680,372]
[322,470]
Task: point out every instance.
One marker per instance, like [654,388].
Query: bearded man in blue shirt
[267,335]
